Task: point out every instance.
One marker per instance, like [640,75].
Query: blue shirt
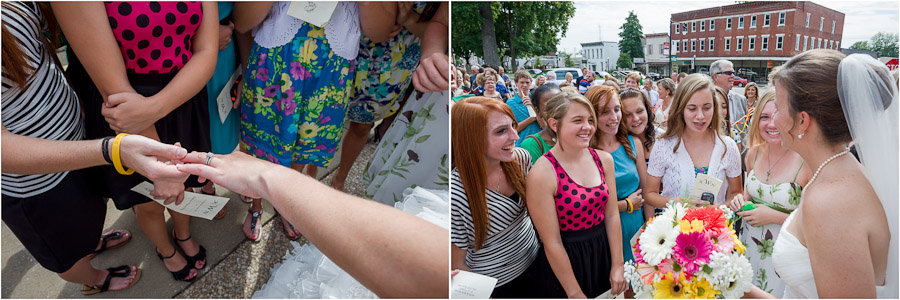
[500,88]
[519,109]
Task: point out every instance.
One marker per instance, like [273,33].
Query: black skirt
[519,288]
[59,226]
[589,254]
[188,124]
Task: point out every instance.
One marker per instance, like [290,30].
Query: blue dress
[223,136]
[627,181]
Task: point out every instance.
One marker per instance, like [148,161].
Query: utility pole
[669,57]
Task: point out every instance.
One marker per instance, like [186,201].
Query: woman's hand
[129,112]
[762,215]
[431,74]
[637,199]
[617,281]
[141,154]
[225,35]
[238,172]
[171,191]
[736,203]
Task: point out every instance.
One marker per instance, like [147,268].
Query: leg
[350,149]
[84,273]
[152,221]
[251,229]
[182,230]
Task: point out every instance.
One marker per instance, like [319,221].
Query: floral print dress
[760,240]
[383,73]
[294,100]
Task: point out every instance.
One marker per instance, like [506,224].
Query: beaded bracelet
[117,160]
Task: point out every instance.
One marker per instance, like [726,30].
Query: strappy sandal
[221,214]
[254,219]
[246,199]
[292,234]
[111,236]
[192,260]
[179,275]
[113,272]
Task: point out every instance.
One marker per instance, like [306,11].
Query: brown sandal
[113,272]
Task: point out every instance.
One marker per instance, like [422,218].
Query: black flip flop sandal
[106,238]
[113,272]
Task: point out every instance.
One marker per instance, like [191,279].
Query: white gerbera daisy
[674,212]
[657,240]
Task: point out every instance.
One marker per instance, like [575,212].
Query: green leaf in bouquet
[707,269]
[676,267]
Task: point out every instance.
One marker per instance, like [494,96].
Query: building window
[677,28]
[752,43]
[649,49]
[684,45]
[807,20]
[740,44]
[677,46]
[727,44]
[684,28]
[805,43]
[740,22]
[702,25]
[779,42]
[832,26]
[821,23]
[837,46]
[693,45]
[820,43]
[765,43]
[781,18]
[728,24]
[702,45]
[753,21]
[711,41]
[797,43]
[712,25]
[693,26]
[766,20]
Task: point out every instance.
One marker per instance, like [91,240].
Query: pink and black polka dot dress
[578,207]
[154,37]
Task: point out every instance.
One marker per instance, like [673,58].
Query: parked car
[741,82]
[654,76]
[747,73]
[703,70]
[535,72]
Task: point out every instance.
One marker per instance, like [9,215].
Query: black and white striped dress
[511,244]
[46,109]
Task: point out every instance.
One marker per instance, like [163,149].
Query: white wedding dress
[793,265]
[306,273]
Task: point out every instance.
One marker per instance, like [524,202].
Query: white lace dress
[677,169]
[793,264]
[306,273]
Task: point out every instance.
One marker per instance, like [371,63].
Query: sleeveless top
[793,265]
[578,207]
[154,37]
[627,178]
[46,109]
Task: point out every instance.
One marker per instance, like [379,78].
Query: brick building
[754,35]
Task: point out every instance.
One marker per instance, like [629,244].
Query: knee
[149,209]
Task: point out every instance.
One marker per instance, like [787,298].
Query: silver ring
[209,156]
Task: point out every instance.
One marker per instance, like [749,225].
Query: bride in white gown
[838,243]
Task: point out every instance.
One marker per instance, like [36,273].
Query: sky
[602,19]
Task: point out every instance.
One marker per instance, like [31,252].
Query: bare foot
[117,283]
[289,231]
[338,183]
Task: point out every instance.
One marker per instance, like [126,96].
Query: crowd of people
[164,72]
[532,193]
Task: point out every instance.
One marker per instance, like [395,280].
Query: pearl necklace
[816,174]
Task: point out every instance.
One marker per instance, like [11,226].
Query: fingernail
[181,152]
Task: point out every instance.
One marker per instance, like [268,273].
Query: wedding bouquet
[689,253]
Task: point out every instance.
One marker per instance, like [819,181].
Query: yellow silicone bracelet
[630,206]
[117,161]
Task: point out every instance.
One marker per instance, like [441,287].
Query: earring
[800,136]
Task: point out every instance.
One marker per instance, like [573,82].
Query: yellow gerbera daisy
[669,287]
[700,289]
[738,245]
[691,226]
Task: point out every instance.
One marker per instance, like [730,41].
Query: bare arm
[458,259]
[642,175]
[613,226]
[651,192]
[541,185]
[365,238]
[376,20]
[247,15]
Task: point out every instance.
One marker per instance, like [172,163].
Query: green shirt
[533,144]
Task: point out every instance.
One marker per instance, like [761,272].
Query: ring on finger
[209,156]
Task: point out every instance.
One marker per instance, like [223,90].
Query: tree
[625,60]
[538,63]
[488,37]
[885,44]
[861,45]
[518,28]
[630,37]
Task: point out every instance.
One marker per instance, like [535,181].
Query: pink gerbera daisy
[691,249]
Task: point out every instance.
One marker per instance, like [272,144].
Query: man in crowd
[504,76]
[520,103]
[722,72]
[475,71]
